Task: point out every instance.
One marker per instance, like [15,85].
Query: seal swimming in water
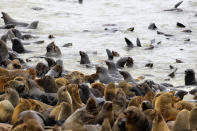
[8,20]
[103,74]
[112,69]
[124,60]
[53,50]
[84,58]
[18,46]
[127,76]
[190,77]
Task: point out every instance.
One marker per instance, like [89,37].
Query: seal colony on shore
[48,97]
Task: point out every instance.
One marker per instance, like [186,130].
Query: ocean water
[85,25]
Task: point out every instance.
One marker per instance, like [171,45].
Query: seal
[12,96]
[112,69]
[17,46]
[15,64]
[193,118]
[182,121]
[103,74]
[136,120]
[63,95]
[190,78]
[65,111]
[84,58]
[76,100]
[8,20]
[164,105]
[106,125]
[85,93]
[3,51]
[127,77]
[91,106]
[181,94]
[6,110]
[124,60]
[29,120]
[56,71]
[53,50]
[41,69]
[48,84]
[119,102]
[110,92]
[77,120]
[159,123]
[106,112]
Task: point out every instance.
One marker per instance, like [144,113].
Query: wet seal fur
[53,50]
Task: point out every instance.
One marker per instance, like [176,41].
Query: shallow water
[83,25]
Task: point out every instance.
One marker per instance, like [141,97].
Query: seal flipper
[129,43]
[109,54]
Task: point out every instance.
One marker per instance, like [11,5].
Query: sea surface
[97,25]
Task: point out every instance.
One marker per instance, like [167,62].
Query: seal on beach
[84,58]
[136,120]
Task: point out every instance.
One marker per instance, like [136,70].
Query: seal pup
[18,46]
[53,50]
[190,78]
[3,51]
[84,58]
